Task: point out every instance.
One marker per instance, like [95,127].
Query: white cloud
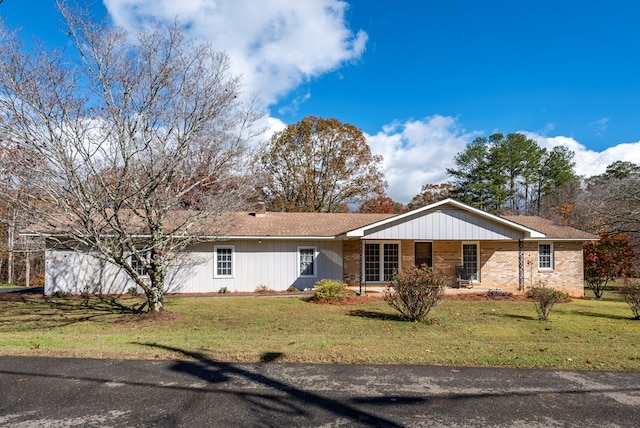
[599,126]
[418,152]
[589,162]
[274,45]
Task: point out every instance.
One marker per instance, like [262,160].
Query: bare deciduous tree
[140,141]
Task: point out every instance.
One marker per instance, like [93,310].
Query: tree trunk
[10,248]
[27,266]
[155,298]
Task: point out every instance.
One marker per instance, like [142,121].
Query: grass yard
[583,334]
[8,285]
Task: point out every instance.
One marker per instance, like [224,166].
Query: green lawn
[6,284]
[583,334]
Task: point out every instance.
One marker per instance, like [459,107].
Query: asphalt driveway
[22,290]
[197,392]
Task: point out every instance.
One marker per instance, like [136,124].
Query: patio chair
[464,279]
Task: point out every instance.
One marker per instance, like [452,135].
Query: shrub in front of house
[415,291]
[544,298]
[262,289]
[630,291]
[498,294]
[60,294]
[329,289]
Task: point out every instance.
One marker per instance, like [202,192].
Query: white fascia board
[545,239]
[266,238]
[205,237]
[532,233]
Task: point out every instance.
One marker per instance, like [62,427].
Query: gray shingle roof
[282,224]
[550,229]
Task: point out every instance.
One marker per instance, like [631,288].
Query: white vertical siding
[272,263]
[449,224]
[77,273]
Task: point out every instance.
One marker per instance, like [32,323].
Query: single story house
[275,250]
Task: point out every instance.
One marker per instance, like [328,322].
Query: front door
[424,254]
[470,260]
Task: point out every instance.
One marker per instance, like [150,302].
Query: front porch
[371,263]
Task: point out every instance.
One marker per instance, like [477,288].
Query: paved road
[22,290]
[47,392]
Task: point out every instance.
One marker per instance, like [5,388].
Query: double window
[307,261]
[545,256]
[223,262]
[381,261]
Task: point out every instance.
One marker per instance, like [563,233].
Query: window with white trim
[137,266]
[307,261]
[223,261]
[470,260]
[545,256]
[381,261]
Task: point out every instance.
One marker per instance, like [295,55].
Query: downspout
[360,267]
[520,265]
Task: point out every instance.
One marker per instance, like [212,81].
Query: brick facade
[351,260]
[498,264]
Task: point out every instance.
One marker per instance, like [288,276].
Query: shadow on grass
[270,357]
[519,317]
[362,313]
[601,315]
[33,314]
[281,401]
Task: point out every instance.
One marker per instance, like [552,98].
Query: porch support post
[520,265]
[361,243]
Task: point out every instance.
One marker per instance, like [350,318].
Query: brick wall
[446,255]
[351,260]
[498,264]
[568,269]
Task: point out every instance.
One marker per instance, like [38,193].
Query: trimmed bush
[329,289]
[630,291]
[544,298]
[60,294]
[416,290]
[498,294]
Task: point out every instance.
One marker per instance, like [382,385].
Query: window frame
[216,261]
[550,256]
[382,263]
[415,252]
[475,277]
[314,261]
[138,268]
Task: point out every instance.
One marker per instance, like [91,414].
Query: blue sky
[421,78]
